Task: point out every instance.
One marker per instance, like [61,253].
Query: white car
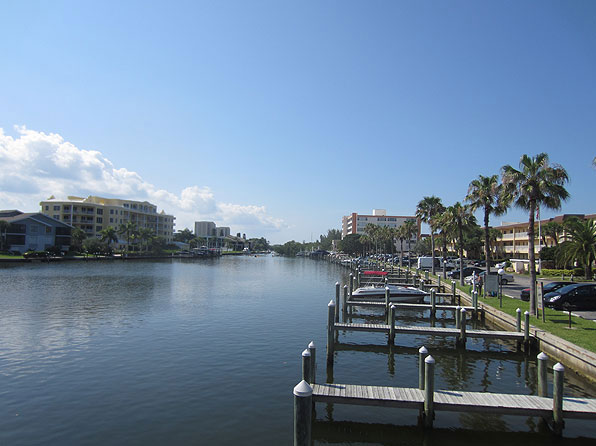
[505,278]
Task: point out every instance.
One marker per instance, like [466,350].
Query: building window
[99,211]
[98,228]
[99,220]
[47,208]
[56,208]
[112,211]
[57,217]
[111,220]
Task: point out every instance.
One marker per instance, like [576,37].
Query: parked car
[577,296]
[467,271]
[548,287]
[427,263]
[505,278]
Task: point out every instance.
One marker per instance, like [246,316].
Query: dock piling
[306,366]
[429,391]
[518,321]
[330,331]
[433,302]
[345,303]
[387,295]
[462,327]
[422,354]
[392,325]
[542,380]
[558,423]
[526,329]
[337,301]
[453,291]
[457,316]
[313,362]
[303,414]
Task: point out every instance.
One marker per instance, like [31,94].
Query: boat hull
[397,294]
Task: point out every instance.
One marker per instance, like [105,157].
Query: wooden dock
[453,400]
[432,331]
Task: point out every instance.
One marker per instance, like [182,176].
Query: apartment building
[93,214]
[514,240]
[34,232]
[355,223]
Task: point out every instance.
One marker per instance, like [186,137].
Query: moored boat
[397,293]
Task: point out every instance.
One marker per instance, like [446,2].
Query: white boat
[397,293]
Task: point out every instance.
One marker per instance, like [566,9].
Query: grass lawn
[581,333]
[4,256]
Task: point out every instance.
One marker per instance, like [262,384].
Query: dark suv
[468,271]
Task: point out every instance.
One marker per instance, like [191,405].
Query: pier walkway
[452,400]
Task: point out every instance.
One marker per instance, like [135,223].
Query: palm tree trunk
[401,252]
[444,256]
[486,241]
[532,258]
[460,231]
[432,250]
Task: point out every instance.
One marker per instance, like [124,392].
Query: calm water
[207,352]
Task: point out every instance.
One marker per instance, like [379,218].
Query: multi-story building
[93,214]
[34,232]
[355,223]
[214,235]
[514,240]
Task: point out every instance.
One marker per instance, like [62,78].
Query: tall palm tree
[400,234]
[372,231]
[580,245]
[109,235]
[459,217]
[446,233]
[129,229]
[535,183]
[426,210]
[486,193]
[410,229]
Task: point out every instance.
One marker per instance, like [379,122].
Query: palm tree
[553,230]
[3,228]
[129,229]
[400,234]
[535,183]
[446,232]
[486,193]
[459,217]
[580,245]
[109,235]
[145,235]
[77,238]
[372,231]
[426,210]
[409,228]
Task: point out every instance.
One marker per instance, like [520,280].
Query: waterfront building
[514,240]
[93,214]
[355,223]
[219,236]
[34,232]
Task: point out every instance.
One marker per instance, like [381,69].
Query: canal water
[207,352]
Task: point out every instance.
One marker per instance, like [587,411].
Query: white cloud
[35,165]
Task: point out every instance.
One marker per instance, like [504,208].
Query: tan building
[514,241]
[355,223]
[93,214]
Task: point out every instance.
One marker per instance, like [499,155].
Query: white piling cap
[458,308]
[558,367]
[429,360]
[526,313]
[303,389]
[345,286]
[336,283]
[312,344]
[463,310]
[331,303]
[386,288]
[306,352]
[422,349]
[518,310]
[542,356]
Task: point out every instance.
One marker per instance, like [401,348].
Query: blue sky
[276,118]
